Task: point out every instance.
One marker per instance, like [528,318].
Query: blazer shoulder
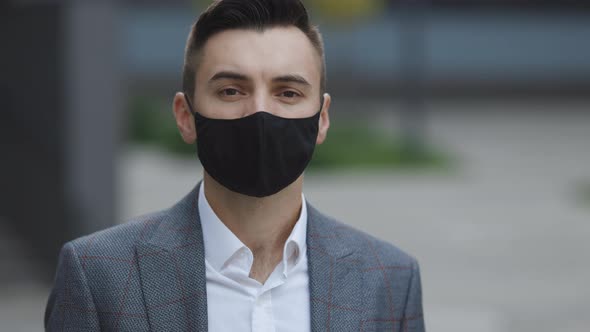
[119,241]
[390,253]
[370,246]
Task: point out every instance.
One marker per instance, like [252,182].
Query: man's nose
[260,102]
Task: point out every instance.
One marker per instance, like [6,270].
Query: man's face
[242,72]
[246,71]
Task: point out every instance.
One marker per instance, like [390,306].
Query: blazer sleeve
[413,319]
[70,306]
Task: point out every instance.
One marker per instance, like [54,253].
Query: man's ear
[184,118]
[324,120]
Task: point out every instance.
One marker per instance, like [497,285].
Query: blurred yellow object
[346,9]
[201,5]
[340,10]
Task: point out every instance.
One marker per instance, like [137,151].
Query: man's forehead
[273,51]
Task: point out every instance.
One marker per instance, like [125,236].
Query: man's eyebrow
[291,78]
[230,75]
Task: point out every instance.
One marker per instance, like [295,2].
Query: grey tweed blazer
[149,275]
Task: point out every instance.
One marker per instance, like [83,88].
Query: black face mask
[257,155]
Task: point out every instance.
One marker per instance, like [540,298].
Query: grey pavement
[502,239]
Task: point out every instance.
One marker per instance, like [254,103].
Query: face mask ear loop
[321,102]
[190,106]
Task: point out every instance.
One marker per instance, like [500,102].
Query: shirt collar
[221,244]
[295,247]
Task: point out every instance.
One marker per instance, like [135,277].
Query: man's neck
[262,224]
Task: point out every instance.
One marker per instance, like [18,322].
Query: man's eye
[289,94]
[229,92]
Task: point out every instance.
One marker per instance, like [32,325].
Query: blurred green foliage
[356,145]
[350,144]
[151,122]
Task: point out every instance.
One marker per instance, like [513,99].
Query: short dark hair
[258,15]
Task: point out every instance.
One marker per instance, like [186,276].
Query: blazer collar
[325,235]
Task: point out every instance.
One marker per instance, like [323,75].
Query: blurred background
[460,132]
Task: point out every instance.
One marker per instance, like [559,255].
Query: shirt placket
[262,315]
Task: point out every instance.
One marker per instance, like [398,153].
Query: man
[243,251]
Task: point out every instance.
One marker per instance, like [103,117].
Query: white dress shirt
[236,302]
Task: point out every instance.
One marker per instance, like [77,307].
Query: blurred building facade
[60,125]
[69,66]
[465,48]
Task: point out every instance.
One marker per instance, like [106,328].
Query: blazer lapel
[334,278]
[172,270]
